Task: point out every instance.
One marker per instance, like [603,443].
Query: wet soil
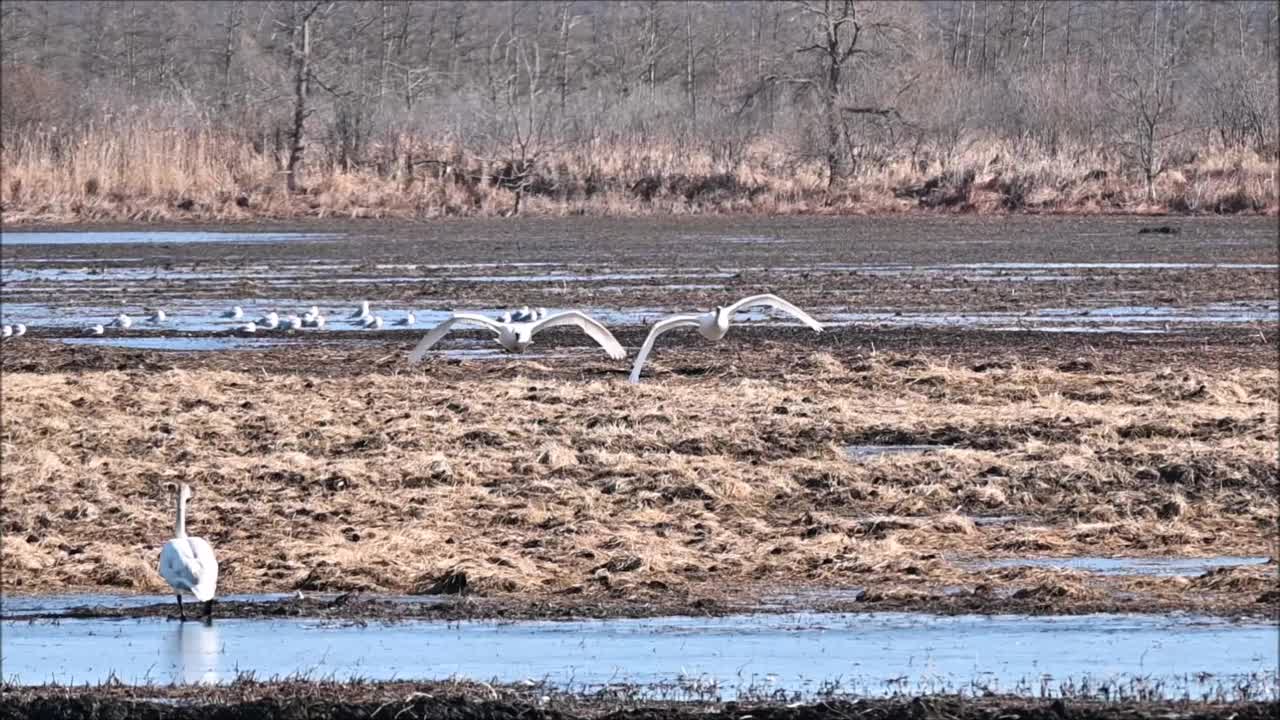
[465,701]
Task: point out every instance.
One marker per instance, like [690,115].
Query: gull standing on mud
[95,330]
[19,330]
[123,321]
[6,332]
[715,324]
[372,322]
[408,319]
[187,563]
[363,312]
[235,313]
[518,336]
[157,317]
[270,321]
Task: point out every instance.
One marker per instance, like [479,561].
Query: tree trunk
[691,92]
[228,54]
[303,67]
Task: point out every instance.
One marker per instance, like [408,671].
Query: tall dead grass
[146,171]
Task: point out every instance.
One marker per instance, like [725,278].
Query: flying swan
[518,336]
[187,563]
[715,324]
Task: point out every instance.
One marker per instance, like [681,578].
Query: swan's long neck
[181,529]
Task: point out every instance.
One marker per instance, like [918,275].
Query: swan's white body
[96,330]
[19,330]
[715,324]
[158,316]
[363,312]
[235,313]
[518,336]
[123,321]
[187,563]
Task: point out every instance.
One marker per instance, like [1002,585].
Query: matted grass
[543,487]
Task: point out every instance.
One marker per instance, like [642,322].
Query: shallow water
[872,653]
[867,452]
[148,237]
[1165,567]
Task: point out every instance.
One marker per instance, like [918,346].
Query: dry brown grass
[553,486]
[145,171]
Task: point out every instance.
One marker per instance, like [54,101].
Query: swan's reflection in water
[194,652]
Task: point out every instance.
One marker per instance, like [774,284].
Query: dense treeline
[566,105]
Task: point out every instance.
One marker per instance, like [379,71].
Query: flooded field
[1028,457]
[800,656]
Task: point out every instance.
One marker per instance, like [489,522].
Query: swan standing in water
[715,324]
[235,313]
[518,336]
[187,563]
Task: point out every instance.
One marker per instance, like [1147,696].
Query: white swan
[518,336]
[95,330]
[235,313]
[408,319]
[362,312]
[19,330]
[123,321]
[187,563]
[157,317]
[715,324]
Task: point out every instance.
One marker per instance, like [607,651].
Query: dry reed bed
[540,487]
[140,172]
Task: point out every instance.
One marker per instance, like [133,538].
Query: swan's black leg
[208,611]
[182,615]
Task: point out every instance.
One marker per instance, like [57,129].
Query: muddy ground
[326,465]
[463,701]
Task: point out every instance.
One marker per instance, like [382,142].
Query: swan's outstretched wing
[589,325]
[675,321]
[775,302]
[439,331]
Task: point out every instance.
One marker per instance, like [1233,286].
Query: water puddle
[148,237]
[863,453]
[1162,567]
[872,654]
[1131,319]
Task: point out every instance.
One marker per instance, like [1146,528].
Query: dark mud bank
[43,705]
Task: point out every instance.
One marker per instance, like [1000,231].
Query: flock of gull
[513,330]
